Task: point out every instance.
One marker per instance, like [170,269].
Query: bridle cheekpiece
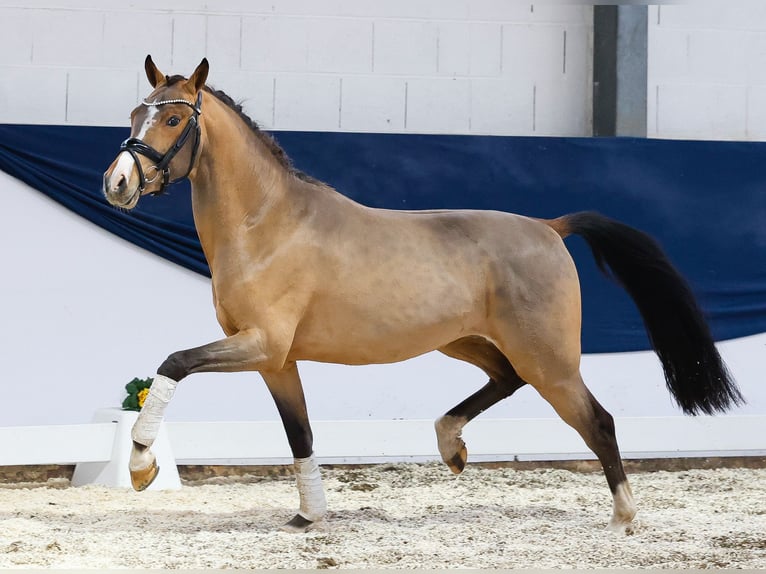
[136,147]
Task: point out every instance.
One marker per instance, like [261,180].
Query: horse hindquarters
[534,322]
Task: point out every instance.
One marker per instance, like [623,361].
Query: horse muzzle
[118,186]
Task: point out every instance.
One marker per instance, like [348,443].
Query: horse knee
[175,367]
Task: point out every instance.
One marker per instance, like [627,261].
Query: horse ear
[152,73]
[197,79]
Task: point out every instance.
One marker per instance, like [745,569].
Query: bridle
[136,147]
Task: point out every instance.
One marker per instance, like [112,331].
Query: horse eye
[174,121]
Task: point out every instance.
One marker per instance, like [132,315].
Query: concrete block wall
[432,66]
[707,71]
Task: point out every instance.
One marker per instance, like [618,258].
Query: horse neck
[237,185]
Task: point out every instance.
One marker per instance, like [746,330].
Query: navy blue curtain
[704,201]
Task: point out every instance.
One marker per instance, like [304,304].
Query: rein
[136,147]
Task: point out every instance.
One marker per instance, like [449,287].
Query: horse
[302,272]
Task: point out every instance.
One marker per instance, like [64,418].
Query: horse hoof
[298,524]
[142,479]
[626,528]
[451,446]
[457,463]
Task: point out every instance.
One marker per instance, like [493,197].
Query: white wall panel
[470,49]
[36,95]
[224,41]
[15,47]
[67,38]
[340,45]
[499,107]
[275,43]
[706,64]
[406,47]
[290,111]
[254,90]
[114,101]
[521,45]
[130,35]
[668,54]
[559,13]
[501,11]
[548,42]
[438,105]
[551,117]
[756,113]
[694,111]
[373,104]
[189,43]
[737,14]
[718,56]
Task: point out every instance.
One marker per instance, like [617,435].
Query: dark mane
[271,144]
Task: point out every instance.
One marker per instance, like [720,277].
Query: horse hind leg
[503,382]
[578,408]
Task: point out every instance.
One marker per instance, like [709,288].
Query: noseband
[136,147]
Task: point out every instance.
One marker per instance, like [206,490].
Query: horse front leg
[245,351]
[287,391]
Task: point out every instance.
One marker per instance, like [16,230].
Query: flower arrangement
[137,390]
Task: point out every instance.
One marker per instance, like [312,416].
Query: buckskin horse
[301,272]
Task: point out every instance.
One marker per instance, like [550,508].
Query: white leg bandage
[313,503]
[148,423]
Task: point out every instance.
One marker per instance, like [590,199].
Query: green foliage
[133,388]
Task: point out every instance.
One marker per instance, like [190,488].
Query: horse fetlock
[313,503]
[621,526]
[624,510]
[449,440]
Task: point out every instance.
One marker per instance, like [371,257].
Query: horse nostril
[112,187]
[122,183]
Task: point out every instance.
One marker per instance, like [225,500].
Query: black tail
[694,371]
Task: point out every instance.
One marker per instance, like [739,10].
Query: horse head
[164,138]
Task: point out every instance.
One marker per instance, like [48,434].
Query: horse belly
[365,348]
[383,333]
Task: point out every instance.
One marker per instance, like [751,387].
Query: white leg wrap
[148,422]
[313,503]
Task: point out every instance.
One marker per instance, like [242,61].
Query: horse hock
[143,464]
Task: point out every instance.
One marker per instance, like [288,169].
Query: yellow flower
[142,397]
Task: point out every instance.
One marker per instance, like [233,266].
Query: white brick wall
[707,71]
[442,66]
[436,66]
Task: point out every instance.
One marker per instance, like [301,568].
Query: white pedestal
[115,472]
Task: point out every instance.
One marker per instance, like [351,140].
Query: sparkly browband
[175,101]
